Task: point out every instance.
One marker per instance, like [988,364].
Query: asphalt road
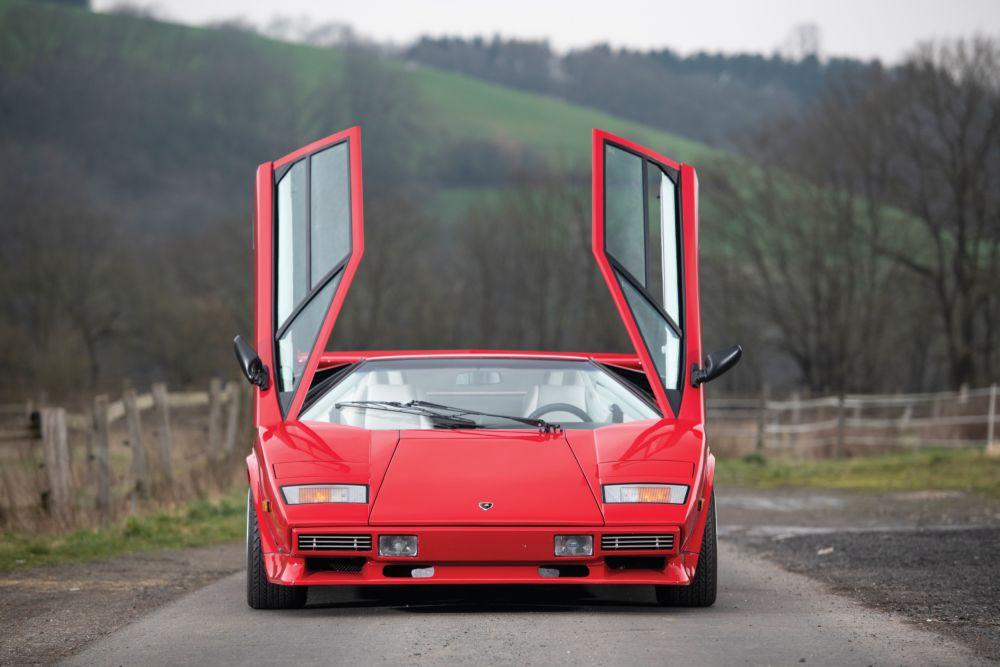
[764,616]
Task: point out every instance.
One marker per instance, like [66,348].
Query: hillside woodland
[850,212]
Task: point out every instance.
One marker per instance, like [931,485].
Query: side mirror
[716,363]
[251,365]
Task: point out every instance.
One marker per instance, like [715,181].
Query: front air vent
[636,542]
[346,565]
[335,542]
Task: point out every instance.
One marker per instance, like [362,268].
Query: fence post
[992,448]
[762,420]
[234,397]
[57,464]
[214,418]
[140,466]
[102,442]
[161,403]
[841,426]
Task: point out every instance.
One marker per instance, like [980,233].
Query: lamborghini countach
[396,467]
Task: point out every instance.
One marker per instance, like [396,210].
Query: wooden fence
[78,468]
[853,425]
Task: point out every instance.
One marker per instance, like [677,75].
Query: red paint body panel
[429,482]
[531,479]
[290,570]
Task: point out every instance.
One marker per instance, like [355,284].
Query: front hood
[441,478]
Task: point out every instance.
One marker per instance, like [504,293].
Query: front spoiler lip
[481,555]
[291,571]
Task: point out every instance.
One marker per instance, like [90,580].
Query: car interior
[576,395]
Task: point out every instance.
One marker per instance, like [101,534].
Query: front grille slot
[335,542]
[636,542]
[636,562]
[348,565]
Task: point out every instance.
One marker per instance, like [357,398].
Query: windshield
[573,394]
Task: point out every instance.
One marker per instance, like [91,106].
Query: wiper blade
[542,425]
[455,421]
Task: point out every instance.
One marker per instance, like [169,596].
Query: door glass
[663,344]
[642,227]
[671,261]
[292,265]
[654,254]
[330,214]
[313,240]
[624,226]
[297,341]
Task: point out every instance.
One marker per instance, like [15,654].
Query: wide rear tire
[261,593]
[702,589]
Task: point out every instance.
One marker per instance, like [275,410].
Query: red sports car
[478,466]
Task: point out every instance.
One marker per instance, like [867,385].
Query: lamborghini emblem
[485,506]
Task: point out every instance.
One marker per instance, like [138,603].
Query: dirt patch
[52,612]
[932,557]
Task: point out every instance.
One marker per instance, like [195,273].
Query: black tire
[261,593]
[702,589]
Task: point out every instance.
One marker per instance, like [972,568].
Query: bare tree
[59,289]
[926,139]
[529,278]
[873,225]
[793,236]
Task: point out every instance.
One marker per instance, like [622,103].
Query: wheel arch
[706,498]
[256,499]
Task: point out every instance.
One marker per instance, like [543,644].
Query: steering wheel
[560,407]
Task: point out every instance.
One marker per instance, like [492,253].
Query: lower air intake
[335,542]
[637,542]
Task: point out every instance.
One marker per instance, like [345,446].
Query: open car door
[308,242]
[645,241]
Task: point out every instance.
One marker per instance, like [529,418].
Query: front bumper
[482,555]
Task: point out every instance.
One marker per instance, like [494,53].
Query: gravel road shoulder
[52,612]
[933,557]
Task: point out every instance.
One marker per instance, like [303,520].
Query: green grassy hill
[149,113]
[474,109]
[130,145]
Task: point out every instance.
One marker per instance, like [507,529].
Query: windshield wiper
[542,425]
[451,420]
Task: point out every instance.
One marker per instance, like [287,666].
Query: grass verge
[196,524]
[935,469]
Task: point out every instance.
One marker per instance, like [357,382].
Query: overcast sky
[861,28]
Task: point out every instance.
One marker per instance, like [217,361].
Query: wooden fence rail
[135,438]
[854,424]
[150,446]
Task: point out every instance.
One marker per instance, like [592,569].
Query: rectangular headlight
[307,494]
[397,545]
[669,494]
[574,545]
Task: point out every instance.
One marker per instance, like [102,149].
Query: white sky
[860,28]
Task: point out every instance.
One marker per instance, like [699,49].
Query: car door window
[642,229]
[313,243]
